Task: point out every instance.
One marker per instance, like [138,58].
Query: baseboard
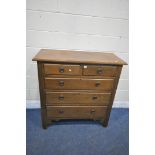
[34,104]
[121,104]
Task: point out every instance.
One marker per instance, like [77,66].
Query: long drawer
[77,98]
[83,112]
[78,84]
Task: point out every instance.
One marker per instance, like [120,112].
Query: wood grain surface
[77,85]
[47,55]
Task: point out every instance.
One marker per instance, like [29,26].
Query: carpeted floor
[78,137]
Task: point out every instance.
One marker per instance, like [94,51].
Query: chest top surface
[82,57]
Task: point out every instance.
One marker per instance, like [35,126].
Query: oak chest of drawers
[77,85]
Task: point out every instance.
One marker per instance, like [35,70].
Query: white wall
[89,25]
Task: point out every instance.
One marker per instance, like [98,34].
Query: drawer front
[77,84]
[83,112]
[61,69]
[76,98]
[99,70]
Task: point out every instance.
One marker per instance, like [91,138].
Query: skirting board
[34,104]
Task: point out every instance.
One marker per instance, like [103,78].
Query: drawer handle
[61,83]
[61,97]
[92,111]
[61,111]
[61,70]
[97,84]
[94,97]
[99,71]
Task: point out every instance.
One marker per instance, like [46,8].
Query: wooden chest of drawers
[77,85]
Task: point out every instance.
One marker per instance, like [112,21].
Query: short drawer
[78,83]
[77,98]
[62,69]
[84,112]
[98,70]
